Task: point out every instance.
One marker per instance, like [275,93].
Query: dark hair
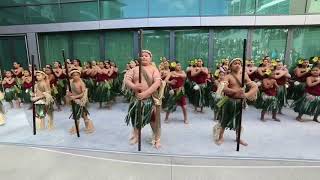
[78,60]
[60,66]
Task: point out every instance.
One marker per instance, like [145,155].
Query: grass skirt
[268,103]
[42,110]
[298,90]
[282,96]
[11,94]
[174,100]
[80,111]
[307,104]
[200,97]
[230,117]
[103,92]
[90,85]
[146,111]
[26,95]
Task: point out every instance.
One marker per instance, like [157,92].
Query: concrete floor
[288,139]
[19,162]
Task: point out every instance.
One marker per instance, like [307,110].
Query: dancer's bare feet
[299,119]
[134,141]
[219,141]
[316,120]
[166,121]
[157,144]
[73,130]
[242,142]
[276,119]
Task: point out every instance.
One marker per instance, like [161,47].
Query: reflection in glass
[273,7]
[84,11]
[86,46]
[43,14]
[119,47]
[50,46]
[306,43]
[11,16]
[115,9]
[191,44]
[228,43]
[227,7]
[158,43]
[163,8]
[269,42]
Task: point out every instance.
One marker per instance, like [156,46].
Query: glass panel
[313,6]
[43,14]
[5,54]
[159,8]
[158,43]
[119,47]
[306,43]
[20,51]
[86,46]
[273,7]
[50,46]
[10,16]
[114,9]
[228,43]
[269,42]
[80,11]
[12,48]
[11,2]
[41,1]
[191,44]
[227,7]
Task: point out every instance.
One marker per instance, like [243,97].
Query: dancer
[232,101]
[309,102]
[79,94]
[176,80]
[151,81]
[43,101]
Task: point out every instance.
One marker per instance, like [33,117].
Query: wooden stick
[140,38]
[33,106]
[242,85]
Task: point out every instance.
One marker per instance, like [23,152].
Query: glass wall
[52,11]
[228,43]
[116,9]
[227,8]
[119,47]
[12,48]
[163,8]
[306,43]
[157,41]
[86,46]
[269,42]
[51,45]
[313,6]
[191,44]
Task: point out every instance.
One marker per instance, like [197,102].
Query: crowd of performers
[269,86]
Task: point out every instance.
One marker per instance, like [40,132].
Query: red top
[314,90]
[6,85]
[101,77]
[302,78]
[27,85]
[114,75]
[271,91]
[179,82]
[201,78]
[281,81]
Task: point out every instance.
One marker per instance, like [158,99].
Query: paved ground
[287,139]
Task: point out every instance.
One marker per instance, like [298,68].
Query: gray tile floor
[288,139]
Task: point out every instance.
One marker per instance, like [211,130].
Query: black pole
[33,106]
[242,86]
[69,86]
[140,39]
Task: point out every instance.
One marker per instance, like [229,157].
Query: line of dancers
[269,86]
